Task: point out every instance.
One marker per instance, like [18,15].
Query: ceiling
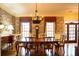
[44,9]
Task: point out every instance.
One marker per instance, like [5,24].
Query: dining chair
[59,46]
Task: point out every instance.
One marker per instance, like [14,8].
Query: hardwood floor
[10,51]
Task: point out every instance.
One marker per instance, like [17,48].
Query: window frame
[50,31]
[71,41]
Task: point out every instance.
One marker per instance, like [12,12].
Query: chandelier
[36,19]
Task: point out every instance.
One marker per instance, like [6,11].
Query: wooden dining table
[38,42]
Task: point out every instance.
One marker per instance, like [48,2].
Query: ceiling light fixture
[37,19]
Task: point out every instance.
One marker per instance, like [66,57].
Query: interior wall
[17,25]
[71,16]
[6,19]
[59,26]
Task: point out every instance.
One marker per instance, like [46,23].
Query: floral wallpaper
[17,25]
[6,19]
[60,25]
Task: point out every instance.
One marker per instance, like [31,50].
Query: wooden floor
[69,51]
[11,51]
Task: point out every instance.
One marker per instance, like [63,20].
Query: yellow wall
[71,16]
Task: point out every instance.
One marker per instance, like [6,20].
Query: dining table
[37,42]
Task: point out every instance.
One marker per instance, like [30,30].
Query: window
[25,30]
[71,32]
[50,27]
